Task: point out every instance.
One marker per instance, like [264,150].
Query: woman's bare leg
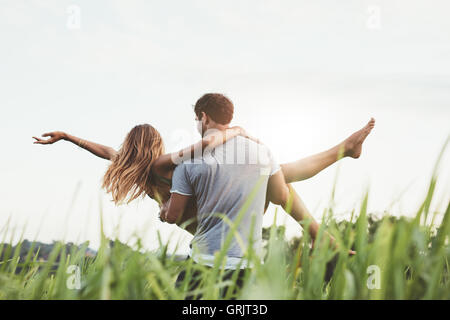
[301,214]
[310,166]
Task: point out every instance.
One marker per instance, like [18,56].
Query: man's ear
[205,118]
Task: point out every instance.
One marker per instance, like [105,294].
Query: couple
[191,189]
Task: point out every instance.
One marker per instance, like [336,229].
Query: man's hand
[163,210]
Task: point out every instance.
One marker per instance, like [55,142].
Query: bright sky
[303,75]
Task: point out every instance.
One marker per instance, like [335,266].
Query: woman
[141,167]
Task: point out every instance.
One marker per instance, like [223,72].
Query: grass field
[397,258]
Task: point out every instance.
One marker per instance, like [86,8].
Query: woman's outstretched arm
[99,150]
[310,166]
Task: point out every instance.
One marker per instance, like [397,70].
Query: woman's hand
[244,133]
[99,150]
[54,137]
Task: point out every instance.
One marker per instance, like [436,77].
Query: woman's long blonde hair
[129,175]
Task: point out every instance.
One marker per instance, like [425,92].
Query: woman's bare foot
[353,144]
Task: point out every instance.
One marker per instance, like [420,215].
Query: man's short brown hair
[216,106]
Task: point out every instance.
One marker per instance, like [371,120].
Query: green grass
[412,256]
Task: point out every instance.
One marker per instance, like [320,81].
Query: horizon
[120,65]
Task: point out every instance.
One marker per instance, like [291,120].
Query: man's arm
[181,193]
[172,211]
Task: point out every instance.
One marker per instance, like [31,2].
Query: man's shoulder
[190,162]
[246,143]
[190,165]
[252,146]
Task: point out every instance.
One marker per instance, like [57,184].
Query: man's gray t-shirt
[225,180]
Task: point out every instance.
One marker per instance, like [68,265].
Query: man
[226,182]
